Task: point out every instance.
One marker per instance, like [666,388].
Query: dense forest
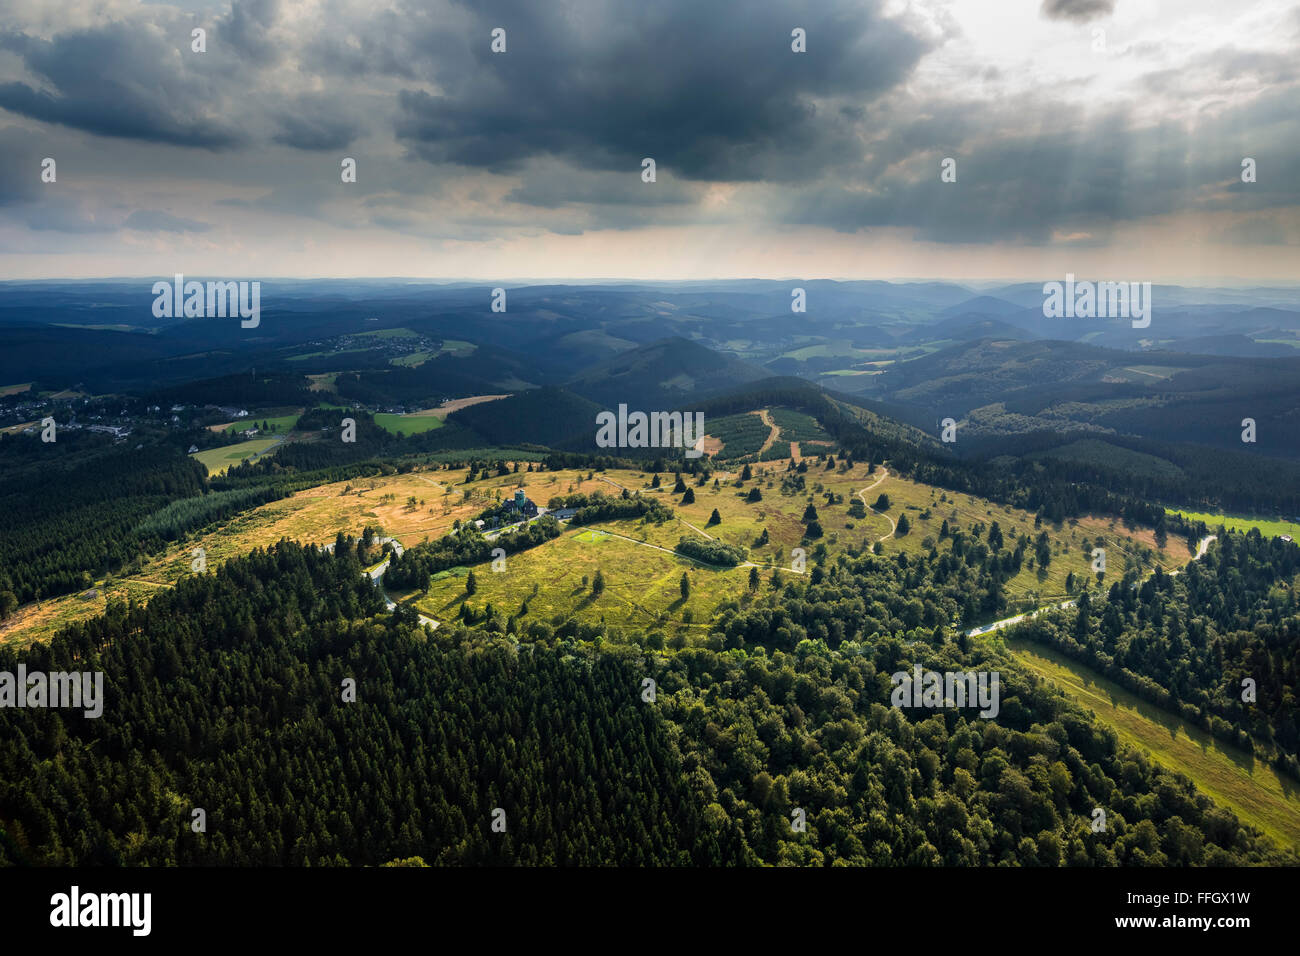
[229,694]
[1188,642]
[74,509]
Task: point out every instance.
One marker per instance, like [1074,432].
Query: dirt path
[794,452]
[766,419]
[696,530]
[893,526]
[686,557]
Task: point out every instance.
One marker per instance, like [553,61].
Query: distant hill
[539,416]
[662,375]
[982,305]
[967,327]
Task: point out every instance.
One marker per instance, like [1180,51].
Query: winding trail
[376,574]
[893,525]
[766,418]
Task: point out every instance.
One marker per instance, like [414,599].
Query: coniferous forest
[231,695]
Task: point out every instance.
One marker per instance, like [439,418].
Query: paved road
[376,574]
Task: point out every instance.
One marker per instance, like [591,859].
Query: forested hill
[226,694]
[1188,642]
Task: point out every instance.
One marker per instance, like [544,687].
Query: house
[193,449]
[563,514]
[117,431]
[523,504]
[1286,538]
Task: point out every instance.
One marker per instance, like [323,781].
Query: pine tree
[715,518]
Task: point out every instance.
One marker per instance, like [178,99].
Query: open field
[43,619]
[642,586]
[318,514]
[412,424]
[14,389]
[1269,527]
[456,404]
[278,424]
[217,460]
[1231,777]
[312,355]
[398,333]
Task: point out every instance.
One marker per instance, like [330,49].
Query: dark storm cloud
[120,80]
[1059,176]
[712,91]
[247,31]
[1077,11]
[20,166]
[316,122]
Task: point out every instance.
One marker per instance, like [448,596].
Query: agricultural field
[322,354]
[398,333]
[412,424]
[275,424]
[1269,527]
[414,360]
[1231,777]
[217,460]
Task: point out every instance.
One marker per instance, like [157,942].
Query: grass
[407,424]
[642,586]
[42,620]
[312,355]
[1031,587]
[398,333]
[414,360]
[318,514]
[217,460]
[1231,777]
[1269,527]
[280,424]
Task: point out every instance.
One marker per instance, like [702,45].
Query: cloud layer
[1070,122]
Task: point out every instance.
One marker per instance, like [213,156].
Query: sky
[1103,138]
